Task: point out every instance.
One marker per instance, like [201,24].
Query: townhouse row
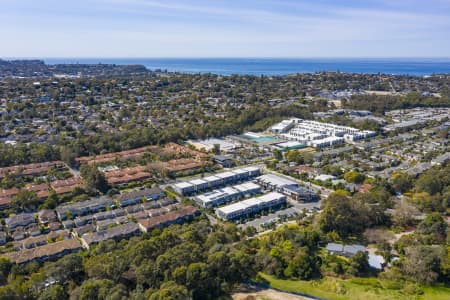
[251,206]
[42,251]
[187,188]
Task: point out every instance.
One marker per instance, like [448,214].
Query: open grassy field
[359,289]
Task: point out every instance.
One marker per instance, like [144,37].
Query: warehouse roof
[276,180]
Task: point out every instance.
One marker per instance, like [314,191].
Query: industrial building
[209,144]
[318,134]
[250,206]
[287,187]
[300,193]
[290,145]
[274,182]
[283,126]
[227,194]
[196,186]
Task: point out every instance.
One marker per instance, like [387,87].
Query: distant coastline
[279,66]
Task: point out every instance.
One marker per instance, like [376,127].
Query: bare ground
[244,291]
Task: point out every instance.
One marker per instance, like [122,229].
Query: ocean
[279,66]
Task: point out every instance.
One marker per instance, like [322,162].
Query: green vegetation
[381,104]
[359,289]
[194,260]
[95,180]
[204,261]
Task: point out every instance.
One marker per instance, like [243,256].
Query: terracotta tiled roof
[168,218]
[127,175]
[31,169]
[112,156]
[66,186]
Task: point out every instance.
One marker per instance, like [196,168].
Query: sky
[224,28]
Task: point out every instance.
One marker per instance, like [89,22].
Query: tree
[402,183]
[118,292]
[430,203]
[422,263]
[434,225]
[429,183]
[277,154]
[95,180]
[70,267]
[25,199]
[359,263]
[95,289]
[303,266]
[216,149]
[147,274]
[54,292]
[404,213]
[344,215]
[5,268]
[52,200]
[171,291]
[299,157]
[354,177]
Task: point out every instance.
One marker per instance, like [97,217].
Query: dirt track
[244,291]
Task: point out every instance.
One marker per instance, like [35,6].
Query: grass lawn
[358,289]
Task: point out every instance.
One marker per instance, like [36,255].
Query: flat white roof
[270,197]
[224,145]
[198,181]
[204,198]
[251,202]
[251,168]
[324,177]
[239,171]
[232,208]
[230,190]
[182,185]
[246,186]
[225,175]
[289,144]
[211,196]
[211,178]
[252,134]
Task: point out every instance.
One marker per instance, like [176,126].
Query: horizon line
[221,57]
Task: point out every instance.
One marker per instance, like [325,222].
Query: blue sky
[233,28]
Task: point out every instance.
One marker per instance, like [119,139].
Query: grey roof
[299,189]
[84,229]
[134,208]
[20,220]
[353,249]
[103,201]
[68,224]
[167,202]
[222,157]
[112,233]
[105,223]
[333,247]
[104,215]
[151,205]
[376,261]
[139,194]
[276,180]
